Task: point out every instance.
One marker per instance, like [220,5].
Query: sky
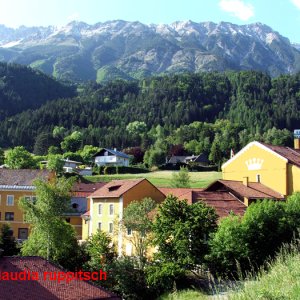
[282,15]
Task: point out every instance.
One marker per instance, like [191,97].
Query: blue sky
[282,15]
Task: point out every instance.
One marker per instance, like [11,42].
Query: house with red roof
[106,205]
[260,170]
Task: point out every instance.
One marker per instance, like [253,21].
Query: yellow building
[15,184]
[106,205]
[274,167]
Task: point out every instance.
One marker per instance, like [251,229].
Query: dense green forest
[191,113]
[25,88]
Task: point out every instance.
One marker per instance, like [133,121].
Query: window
[111,209]
[110,227]
[9,216]
[100,209]
[33,199]
[27,198]
[129,231]
[99,225]
[10,200]
[75,205]
[23,233]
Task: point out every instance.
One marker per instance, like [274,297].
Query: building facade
[275,167]
[106,205]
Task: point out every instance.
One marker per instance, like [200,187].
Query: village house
[109,157]
[15,184]
[106,205]
[274,167]
[79,203]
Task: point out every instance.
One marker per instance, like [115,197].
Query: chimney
[297,139]
[245,181]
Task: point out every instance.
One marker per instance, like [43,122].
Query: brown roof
[254,189]
[180,193]
[116,188]
[85,189]
[44,289]
[22,177]
[292,155]
[222,202]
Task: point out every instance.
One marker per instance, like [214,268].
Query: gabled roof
[22,178]
[285,153]
[113,152]
[42,288]
[254,190]
[116,188]
[223,202]
[176,159]
[292,155]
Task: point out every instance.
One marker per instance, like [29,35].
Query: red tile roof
[23,177]
[222,202]
[116,188]
[254,190]
[292,155]
[180,193]
[44,289]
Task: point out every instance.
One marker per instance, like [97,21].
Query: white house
[108,157]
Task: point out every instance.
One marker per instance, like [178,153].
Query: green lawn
[163,178]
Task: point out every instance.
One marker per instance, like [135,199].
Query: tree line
[205,112]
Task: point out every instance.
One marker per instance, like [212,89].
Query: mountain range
[127,50]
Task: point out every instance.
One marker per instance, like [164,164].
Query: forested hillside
[188,110]
[23,88]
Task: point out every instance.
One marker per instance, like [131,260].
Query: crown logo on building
[254,163]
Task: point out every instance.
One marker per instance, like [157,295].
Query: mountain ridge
[79,51]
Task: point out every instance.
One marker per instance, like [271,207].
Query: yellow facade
[293,179]
[108,217]
[258,163]
[16,223]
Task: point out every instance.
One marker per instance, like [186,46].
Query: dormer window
[106,153]
[113,188]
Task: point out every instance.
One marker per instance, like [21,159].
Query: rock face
[120,49]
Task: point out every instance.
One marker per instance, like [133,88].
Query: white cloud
[296,3]
[239,9]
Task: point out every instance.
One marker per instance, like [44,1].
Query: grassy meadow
[163,178]
[280,282]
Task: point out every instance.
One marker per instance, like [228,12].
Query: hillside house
[199,160]
[108,157]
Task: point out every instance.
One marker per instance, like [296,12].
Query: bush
[249,241]
[109,170]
